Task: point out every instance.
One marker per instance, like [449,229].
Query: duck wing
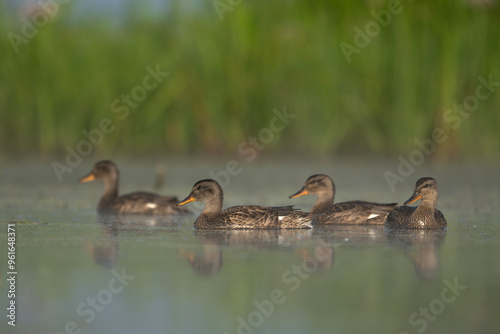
[147,196]
[399,216]
[297,219]
[440,220]
[251,217]
[260,217]
[356,212]
[147,203]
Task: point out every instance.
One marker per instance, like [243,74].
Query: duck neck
[213,206]
[324,201]
[428,203]
[110,189]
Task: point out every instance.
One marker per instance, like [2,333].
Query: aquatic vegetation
[406,79]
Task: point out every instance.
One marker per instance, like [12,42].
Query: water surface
[77,271]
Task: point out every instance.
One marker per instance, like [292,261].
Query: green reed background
[227,76]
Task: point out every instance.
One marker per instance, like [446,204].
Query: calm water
[81,274]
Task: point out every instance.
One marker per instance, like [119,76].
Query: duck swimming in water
[424,216]
[348,213]
[133,203]
[243,216]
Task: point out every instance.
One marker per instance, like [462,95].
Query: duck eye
[200,187]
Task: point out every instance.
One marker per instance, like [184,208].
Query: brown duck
[349,213]
[424,216]
[244,216]
[133,203]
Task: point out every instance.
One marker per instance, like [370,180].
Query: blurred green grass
[227,76]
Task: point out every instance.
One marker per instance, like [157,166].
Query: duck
[424,216]
[210,193]
[134,203]
[346,213]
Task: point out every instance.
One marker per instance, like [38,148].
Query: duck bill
[415,197]
[299,193]
[87,178]
[184,254]
[187,200]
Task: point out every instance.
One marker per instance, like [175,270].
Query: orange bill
[415,197]
[299,193]
[87,178]
[187,200]
[186,255]
[301,253]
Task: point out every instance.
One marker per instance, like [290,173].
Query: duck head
[426,189]
[103,170]
[319,184]
[207,191]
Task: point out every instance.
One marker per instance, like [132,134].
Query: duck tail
[382,209]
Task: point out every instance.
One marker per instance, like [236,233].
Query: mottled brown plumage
[424,216]
[244,216]
[352,212]
[133,203]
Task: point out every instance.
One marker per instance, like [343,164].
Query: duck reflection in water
[323,255]
[104,250]
[209,261]
[330,236]
[421,247]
